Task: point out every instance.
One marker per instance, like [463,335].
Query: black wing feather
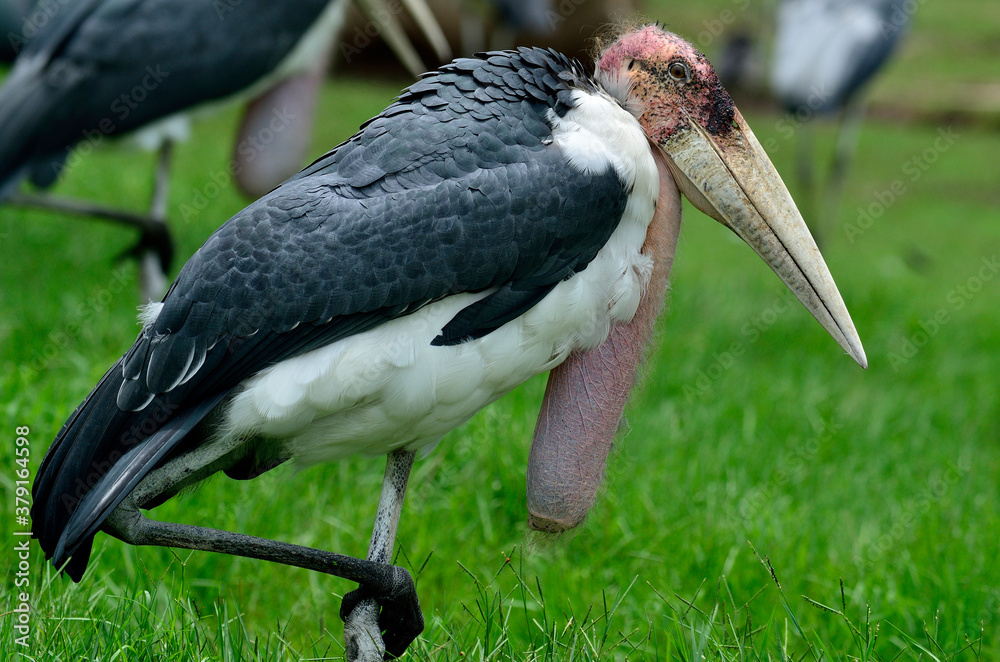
[124,475]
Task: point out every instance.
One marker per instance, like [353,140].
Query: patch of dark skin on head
[717,111]
[720,111]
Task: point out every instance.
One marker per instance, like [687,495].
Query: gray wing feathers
[455,188]
[124,475]
[442,193]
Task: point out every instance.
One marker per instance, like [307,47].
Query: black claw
[400,618]
[352,600]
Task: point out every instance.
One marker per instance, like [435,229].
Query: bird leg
[363,624]
[385,586]
[83,208]
[805,173]
[155,248]
[851,119]
[161,185]
[153,265]
[391,586]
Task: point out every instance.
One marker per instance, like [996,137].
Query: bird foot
[156,241]
[400,618]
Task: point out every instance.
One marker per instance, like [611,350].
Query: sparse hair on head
[612,31]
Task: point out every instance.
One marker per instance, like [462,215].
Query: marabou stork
[825,52]
[507,215]
[102,68]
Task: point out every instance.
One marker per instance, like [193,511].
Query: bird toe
[400,618]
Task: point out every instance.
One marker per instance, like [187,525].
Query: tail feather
[97,458]
[122,478]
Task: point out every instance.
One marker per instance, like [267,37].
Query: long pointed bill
[429,26]
[394,34]
[731,179]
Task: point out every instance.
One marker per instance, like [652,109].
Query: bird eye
[678,71]
[631,65]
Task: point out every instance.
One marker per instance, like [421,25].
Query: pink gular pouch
[586,394]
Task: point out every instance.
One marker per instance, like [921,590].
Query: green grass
[875,493]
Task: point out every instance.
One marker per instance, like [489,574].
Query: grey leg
[805,173]
[847,142]
[146,224]
[152,266]
[161,186]
[384,587]
[392,586]
[363,625]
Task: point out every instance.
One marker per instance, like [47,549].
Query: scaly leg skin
[400,616]
[389,588]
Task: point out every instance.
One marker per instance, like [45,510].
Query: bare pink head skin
[672,81]
[704,149]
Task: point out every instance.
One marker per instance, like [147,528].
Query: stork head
[718,164]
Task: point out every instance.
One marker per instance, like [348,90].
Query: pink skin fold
[274,134]
[586,395]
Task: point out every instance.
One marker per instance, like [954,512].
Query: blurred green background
[874,492]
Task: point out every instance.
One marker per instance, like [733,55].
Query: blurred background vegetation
[875,493]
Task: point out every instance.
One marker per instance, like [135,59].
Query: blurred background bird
[825,54]
[91,69]
[14,20]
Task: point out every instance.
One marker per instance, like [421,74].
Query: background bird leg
[851,118]
[154,257]
[805,173]
[155,248]
[363,625]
